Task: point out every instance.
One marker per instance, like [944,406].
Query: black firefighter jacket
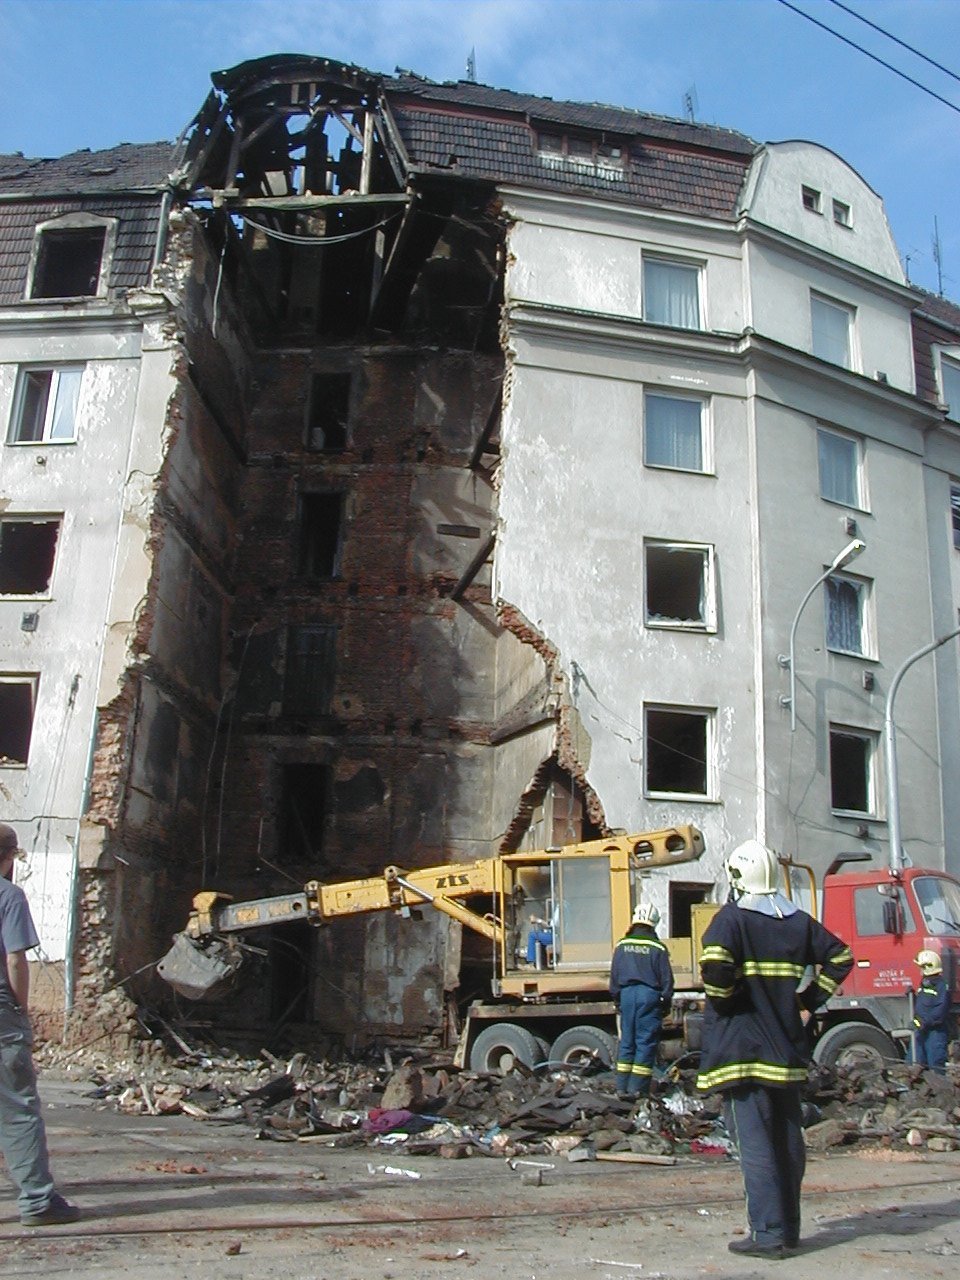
[752,965]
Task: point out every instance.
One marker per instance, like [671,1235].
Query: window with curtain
[839,460]
[950,386]
[673,434]
[845,603]
[831,323]
[671,293]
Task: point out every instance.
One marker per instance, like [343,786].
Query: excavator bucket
[200,970]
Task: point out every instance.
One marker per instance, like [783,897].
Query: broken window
[327,412]
[955,513]
[852,768]
[18,696]
[45,405]
[679,585]
[582,151]
[846,599]
[308,685]
[683,898]
[841,471]
[677,744]
[671,293]
[304,803]
[673,432]
[318,548]
[68,262]
[28,546]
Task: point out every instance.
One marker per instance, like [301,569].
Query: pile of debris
[426,1106]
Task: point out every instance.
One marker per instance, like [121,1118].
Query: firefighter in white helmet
[756,950]
[641,983]
[931,1012]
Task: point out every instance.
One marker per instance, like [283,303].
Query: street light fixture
[849,552]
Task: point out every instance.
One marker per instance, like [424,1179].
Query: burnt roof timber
[287,203]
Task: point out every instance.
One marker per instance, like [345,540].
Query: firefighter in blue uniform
[756,950]
[641,983]
[931,1013]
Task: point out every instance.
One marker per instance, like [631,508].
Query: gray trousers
[765,1123]
[23,1138]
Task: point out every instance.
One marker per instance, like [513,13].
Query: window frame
[706,626]
[872,739]
[860,485]
[842,213]
[32,517]
[948,359]
[66,223]
[32,680]
[706,430]
[696,266]
[955,512]
[709,715]
[864,587]
[811,199]
[19,397]
[294,679]
[852,363]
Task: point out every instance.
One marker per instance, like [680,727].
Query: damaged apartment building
[398,473]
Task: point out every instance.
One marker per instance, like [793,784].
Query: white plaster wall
[774,198]
[85,482]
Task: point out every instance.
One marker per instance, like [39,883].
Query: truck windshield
[940,903]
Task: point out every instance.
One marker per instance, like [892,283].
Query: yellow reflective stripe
[773,969]
[640,1070]
[733,1072]
[827,984]
[624,1068]
[718,954]
[719,992]
[841,957]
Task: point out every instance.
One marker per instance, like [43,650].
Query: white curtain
[831,332]
[844,619]
[671,294]
[838,468]
[673,435]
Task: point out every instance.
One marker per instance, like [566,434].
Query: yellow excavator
[552,917]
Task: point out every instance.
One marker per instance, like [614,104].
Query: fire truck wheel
[497,1049]
[584,1044]
[855,1044]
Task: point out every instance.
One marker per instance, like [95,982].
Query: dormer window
[841,214]
[576,151]
[71,256]
[812,199]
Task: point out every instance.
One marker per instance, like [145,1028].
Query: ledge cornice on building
[908,294]
[580,205]
[27,317]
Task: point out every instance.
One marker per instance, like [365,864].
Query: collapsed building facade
[409,472]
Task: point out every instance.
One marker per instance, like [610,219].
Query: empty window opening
[841,214]
[671,293]
[811,199]
[679,585]
[677,745]
[582,152]
[45,406]
[304,804]
[27,551]
[68,263]
[950,387]
[18,695]
[328,411]
[673,432]
[831,325]
[840,469]
[851,771]
[845,614]
[955,513]
[318,551]
[683,897]
[308,684]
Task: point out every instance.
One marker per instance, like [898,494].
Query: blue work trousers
[932,1048]
[23,1138]
[765,1123]
[640,1022]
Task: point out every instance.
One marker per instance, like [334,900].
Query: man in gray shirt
[23,1138]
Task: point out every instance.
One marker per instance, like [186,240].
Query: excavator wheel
[851,1045]
[498,1048]
[581,1046]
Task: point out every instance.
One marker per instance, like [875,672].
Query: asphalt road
[170,1197]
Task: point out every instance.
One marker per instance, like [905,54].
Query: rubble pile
[424,1105]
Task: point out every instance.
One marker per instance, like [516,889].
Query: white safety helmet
[646,913]
[929,962]
[752,868]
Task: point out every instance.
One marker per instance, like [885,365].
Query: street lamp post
[890,751]
[849,552]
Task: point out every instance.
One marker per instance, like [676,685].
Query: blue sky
[92,73]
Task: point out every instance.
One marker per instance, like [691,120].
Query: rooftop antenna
[691,106]
[472,66]
[938,256]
